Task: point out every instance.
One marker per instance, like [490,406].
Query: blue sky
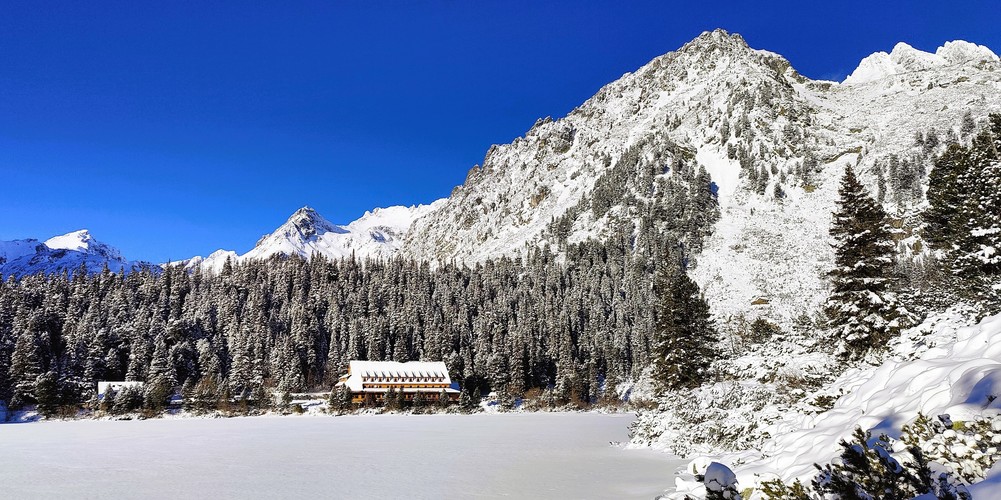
[171,129]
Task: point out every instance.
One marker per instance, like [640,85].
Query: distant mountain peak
[377,233]
[305,211]
[303,225]
[719,36]
[67,252]
[714,41]
[906,59]
[84,242]
[960,51]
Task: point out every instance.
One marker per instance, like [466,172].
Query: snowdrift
[957,372]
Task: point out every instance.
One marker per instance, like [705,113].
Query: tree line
[570,324]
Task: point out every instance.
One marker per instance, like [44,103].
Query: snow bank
[958,372]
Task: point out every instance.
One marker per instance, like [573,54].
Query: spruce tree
[861,307]
[466,402]
[47,394]
[963,219]
[393,399]
[978,245]
[107,401]
[945,198]
[685,339]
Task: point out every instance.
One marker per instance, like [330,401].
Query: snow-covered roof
[361,372]
[426,390]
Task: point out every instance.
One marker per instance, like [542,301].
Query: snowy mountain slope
[82,241]
[944,366]
[509,201]
[13,250]
[732,109]
[376,234]
[67,252]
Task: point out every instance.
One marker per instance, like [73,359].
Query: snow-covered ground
[538,455]
[946,365]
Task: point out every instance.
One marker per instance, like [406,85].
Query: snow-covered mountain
[906,59]
[377,234]
[67,252]
[721,103]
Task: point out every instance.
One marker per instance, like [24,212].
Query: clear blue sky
[171,129]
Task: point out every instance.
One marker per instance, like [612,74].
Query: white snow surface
[719,478]
[938,367]
[13,250]
[541,455]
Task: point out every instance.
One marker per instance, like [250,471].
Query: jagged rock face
[906,59]
[508,202]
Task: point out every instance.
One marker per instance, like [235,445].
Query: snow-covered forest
[572,331]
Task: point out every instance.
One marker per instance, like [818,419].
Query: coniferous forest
[567,327]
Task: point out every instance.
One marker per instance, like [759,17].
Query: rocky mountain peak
[303,225]
[83,241]
[717,39]
[68,252]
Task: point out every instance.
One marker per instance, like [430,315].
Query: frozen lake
[543,455]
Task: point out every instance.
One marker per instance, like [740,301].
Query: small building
[377,377]
[104,386]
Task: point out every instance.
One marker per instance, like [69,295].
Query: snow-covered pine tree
[963,218]
[685,340]
[47,393]
[945,198]
[393,400]
[862,310]
[867,470]
[977,250]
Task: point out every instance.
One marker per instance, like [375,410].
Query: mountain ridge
[62,253]
[376,234]
[716,103]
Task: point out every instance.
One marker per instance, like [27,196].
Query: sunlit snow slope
[67,252]
[948,368]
